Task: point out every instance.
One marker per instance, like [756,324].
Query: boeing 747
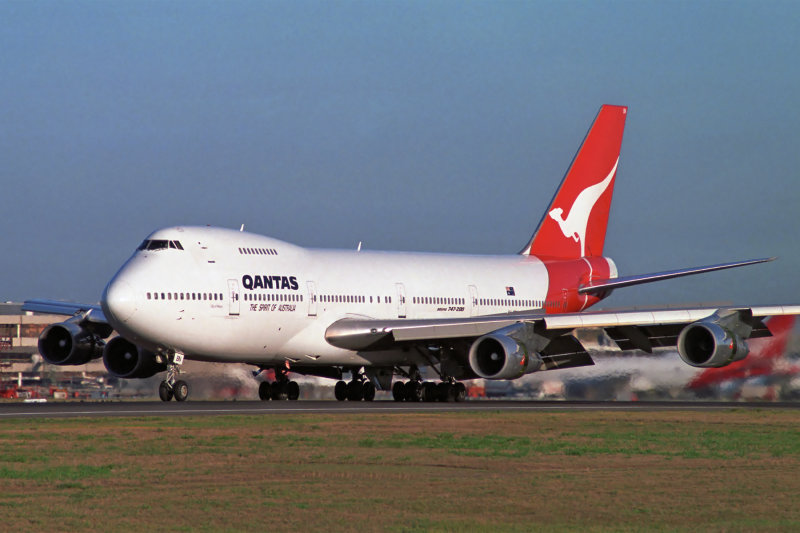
[215,294]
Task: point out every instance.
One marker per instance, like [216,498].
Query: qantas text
[269,282]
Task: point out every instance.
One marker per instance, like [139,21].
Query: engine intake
[66,343]
[124,359]
[500,356]
[709,345]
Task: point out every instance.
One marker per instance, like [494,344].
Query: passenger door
[473,301]
[401,300]
[312,299]
[233,297]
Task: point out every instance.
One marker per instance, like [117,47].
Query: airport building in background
[23,372]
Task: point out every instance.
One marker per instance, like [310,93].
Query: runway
[211,408]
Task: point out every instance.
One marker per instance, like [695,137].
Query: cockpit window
[159,244]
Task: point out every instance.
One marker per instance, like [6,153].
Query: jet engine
[67,343]
[499,355]
[124,359]
[709,345]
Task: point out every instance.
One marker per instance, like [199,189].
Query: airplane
[222,295]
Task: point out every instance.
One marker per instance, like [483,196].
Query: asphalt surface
[207,408]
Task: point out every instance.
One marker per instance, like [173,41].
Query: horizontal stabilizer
[627,281]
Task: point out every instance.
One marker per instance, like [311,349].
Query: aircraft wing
[555,334]
[91,312]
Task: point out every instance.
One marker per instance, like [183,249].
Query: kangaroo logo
[574,226]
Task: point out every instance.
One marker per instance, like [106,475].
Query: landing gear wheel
[355,391]
[165,391]
[292,390]
[446,392]
[265,390]
[181,391]
[460,392]
[413,391]
[399,391]
[429,391]
[279,391]
[369,392]
[340,391]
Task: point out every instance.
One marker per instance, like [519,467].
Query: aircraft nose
[119,301]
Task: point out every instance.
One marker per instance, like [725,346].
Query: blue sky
[432,126]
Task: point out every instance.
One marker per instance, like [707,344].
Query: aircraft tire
[413,391]
[181,391]
[340,391]
[446,392]
[355,391]
[429,391]
[164,392]
[399,391]
[369,392]
[293,390]
[279,391]
[265,391]
[460,392]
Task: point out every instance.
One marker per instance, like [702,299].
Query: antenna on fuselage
[359,247]
[242,228]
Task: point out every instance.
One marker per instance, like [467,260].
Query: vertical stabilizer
[574,224]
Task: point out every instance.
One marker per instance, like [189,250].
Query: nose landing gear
[171,388]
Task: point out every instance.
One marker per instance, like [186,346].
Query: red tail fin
[575,223]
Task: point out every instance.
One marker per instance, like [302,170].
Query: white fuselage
[225,295]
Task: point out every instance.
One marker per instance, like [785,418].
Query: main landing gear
[416,390]
[171,388]
[428,391]
[357,389]
[281,389]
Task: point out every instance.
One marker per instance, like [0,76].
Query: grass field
[480,471]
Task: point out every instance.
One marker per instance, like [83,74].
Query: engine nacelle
[499,356]
[66,343]
[709,345]
[124,359]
